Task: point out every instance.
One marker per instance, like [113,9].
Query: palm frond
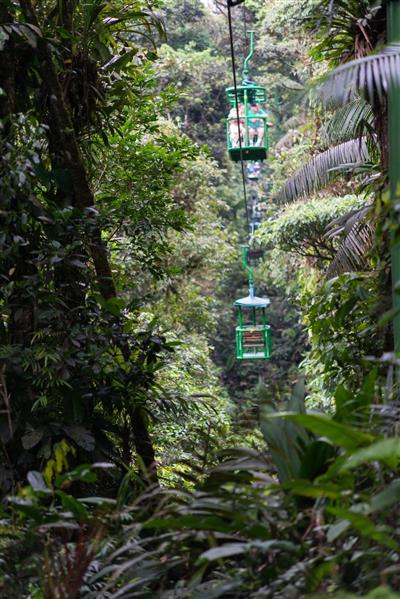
[323,169]
[348,122]
[372,76]
[343,224]
[353,253]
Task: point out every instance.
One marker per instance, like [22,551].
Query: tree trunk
[63,133]
[144,445]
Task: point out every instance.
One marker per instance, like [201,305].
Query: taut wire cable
[244,29]
[237,112]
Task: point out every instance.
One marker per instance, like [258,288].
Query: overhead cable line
[230,4]
[244,28]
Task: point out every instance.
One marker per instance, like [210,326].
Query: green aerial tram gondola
[253,334]
[246,124]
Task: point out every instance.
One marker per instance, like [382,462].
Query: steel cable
[237,111]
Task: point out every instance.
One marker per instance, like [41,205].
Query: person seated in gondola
[235,132]
[256,126]
[253,170]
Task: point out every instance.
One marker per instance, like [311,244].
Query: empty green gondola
[253,334]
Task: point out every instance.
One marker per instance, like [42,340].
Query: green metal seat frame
[253,334]
[253,341]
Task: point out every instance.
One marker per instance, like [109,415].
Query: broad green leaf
[82,473]
[386,450]
[305,488]
[230,549]
[336,529]
[114,305]
[188,522]
[26,507]
[387,498]
[351,407]
[364,526]
[339,434]
[224,551]
[74,505]
[388,316]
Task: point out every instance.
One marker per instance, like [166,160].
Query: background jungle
[139,458]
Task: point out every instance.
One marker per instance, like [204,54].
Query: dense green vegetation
[139,458]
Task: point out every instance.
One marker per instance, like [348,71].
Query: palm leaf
[323,169]
[343,224]
[353,253]
[371,76]
[349,122]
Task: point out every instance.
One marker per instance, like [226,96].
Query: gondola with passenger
[247,122]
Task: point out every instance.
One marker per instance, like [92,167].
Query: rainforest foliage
[138,457]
